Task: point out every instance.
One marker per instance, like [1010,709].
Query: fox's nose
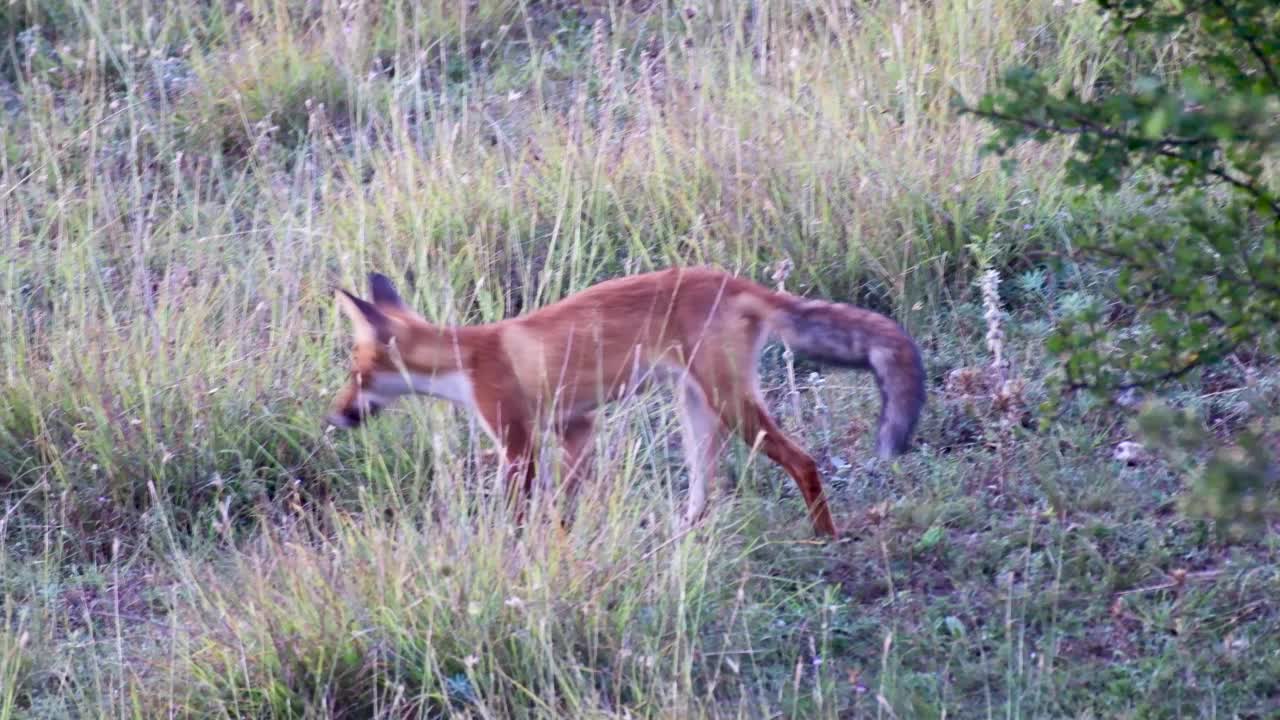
[353,415]
[348,418]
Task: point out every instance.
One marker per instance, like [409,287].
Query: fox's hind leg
[739,409]
[703,438]
[754,422]
[726,375]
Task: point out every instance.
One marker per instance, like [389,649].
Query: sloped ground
[182,183]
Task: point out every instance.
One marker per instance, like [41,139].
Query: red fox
[551,369]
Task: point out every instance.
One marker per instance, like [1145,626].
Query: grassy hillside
[182,183]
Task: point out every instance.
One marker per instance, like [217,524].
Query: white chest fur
[452,386]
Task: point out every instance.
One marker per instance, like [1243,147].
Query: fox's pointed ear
[384,293]
[369,322]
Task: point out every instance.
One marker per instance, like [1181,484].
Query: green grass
[181,184]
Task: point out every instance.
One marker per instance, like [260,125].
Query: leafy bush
[1199,269]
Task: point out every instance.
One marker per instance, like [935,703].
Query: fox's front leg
[520,469]
[514,435]
[575,439]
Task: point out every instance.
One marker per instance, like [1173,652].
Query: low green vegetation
[182,184]
[1197,265]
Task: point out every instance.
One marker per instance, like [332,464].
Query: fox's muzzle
[352,415]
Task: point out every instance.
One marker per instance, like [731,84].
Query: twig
[1206,575]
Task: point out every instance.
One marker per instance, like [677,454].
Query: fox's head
[377,378]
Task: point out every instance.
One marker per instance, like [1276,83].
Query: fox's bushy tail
[847,336]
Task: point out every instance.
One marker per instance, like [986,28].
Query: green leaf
[1156,122]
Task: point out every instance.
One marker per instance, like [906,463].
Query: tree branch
[1156,146]
[1248,38]
[1222,349]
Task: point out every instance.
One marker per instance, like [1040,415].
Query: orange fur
[701,327]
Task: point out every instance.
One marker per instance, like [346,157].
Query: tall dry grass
[181,185]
